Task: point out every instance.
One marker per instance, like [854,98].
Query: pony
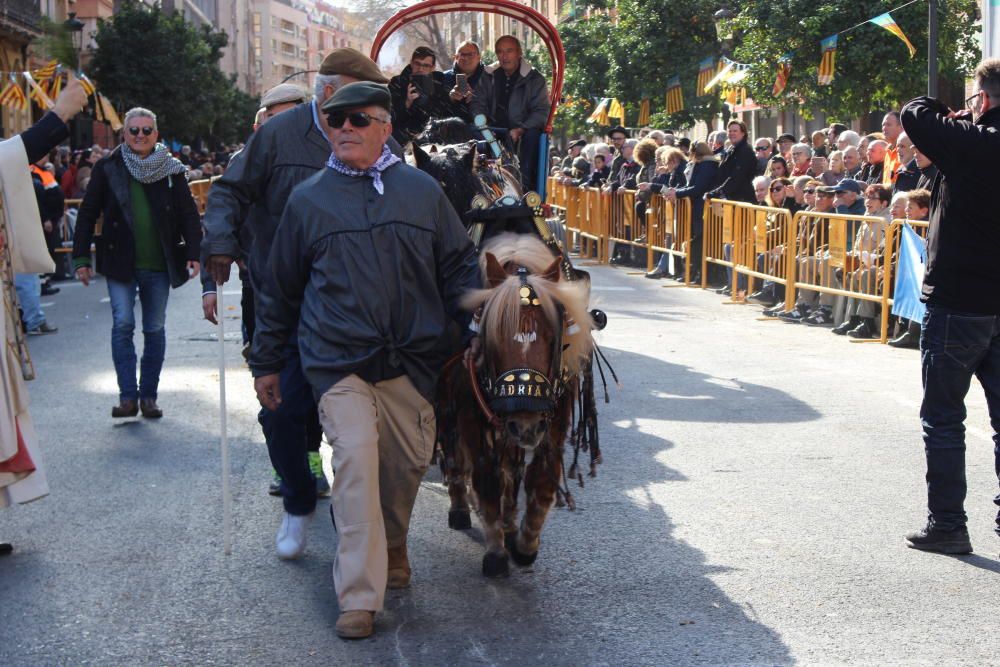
[536,337]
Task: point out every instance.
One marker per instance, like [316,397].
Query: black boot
[941,541]
[847,326]
[909,339]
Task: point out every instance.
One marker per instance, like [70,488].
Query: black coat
[43,136]
[175,216]
[408,123]
[703,176]
[736,174]
[963,241]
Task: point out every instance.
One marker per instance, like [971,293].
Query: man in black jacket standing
[961,329]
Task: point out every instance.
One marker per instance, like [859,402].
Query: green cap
[360,94]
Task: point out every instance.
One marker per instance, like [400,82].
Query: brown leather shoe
[356,624]
[150,410]
[399,568]
[127,408]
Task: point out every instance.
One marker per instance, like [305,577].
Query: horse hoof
[459,519]
[496,565]
[524,560]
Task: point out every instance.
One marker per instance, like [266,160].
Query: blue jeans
[291,432]
[153,288]
[954,346]
[29,293]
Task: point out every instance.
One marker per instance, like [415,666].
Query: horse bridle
[521,389]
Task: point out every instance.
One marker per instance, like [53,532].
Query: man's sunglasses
[336,119]
[761,149]
[146,131]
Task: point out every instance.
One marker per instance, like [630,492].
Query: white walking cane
[227,542]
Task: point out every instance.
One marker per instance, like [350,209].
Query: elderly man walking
[512,94]
[150,242]
[960,336]
[369,263]
[282,153]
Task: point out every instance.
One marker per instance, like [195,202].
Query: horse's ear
[420,156]
[494,272]
[552,272]
[434,149]
[470,157]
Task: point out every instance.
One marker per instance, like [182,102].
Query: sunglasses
[146,131]
[357,118]
[825,195]
[779,188]
[810,191]
[761,149]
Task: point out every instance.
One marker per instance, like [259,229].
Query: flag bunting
[828,47]
[675,96]
[886,21]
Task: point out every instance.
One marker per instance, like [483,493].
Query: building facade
[20,24]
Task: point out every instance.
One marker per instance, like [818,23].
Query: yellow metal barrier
[594,224]
[624,226]
[754,241]
[668,227]
[891,249]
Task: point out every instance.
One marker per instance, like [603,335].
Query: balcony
[20,18]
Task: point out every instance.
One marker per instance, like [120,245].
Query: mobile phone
[462,81]
[424,83]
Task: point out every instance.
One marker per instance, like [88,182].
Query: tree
[873,71]
[146,57]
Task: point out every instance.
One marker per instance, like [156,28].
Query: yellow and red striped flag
[675,96]
[87,84]
[55,85]
[36,92]
[826,66]
[12,95]
[616,110]
[886,21]
[110,116]
[784,71]
[706,70]
[45,72]
[600,113]
[644,112]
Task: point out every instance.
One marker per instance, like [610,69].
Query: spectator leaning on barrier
[961,329]
[811,260]
[760,185]
[864,266]
[617,137]
[918,203]
[150,242]
[738,166]
[703,175]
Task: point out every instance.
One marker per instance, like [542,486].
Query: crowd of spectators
[834,170]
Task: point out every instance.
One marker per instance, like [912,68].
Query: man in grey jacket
[285,151]
[512,94]
[368,264]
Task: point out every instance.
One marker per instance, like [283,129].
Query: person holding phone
[461,80]
[418,94]
[150,242]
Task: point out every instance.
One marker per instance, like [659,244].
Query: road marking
[608,288]
[106,299]
[46,304]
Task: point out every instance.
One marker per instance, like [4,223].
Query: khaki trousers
[382,437]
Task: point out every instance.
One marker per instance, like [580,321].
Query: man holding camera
[418,94]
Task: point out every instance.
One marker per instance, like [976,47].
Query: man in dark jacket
[617,136]
[150,242]
[738,166]
[369,264]
[282,153]
[468,63]
[960,336]
[417,100]
[513,95]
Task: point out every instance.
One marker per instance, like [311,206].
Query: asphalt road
[757,483]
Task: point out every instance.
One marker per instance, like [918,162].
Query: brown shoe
[127,408]
[356,624]
[150,410]
[399,568]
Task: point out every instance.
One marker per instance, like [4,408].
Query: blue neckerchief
[386,160]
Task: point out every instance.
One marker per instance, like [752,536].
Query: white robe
[28,254]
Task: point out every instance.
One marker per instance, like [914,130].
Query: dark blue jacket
[703,177]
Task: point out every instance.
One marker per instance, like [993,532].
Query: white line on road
[609,288]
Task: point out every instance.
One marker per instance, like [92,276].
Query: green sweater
[148,249]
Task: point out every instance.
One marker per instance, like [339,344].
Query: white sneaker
[291,538]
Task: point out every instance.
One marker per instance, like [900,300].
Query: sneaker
[316,467]
[762,298]
[846,326]
[42,329]
[795,315]
[821,317]
[941,541]
[291,538]
[775,310]
[725,290]
[274,488]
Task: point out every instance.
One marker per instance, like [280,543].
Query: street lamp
[724,28]
[74,27]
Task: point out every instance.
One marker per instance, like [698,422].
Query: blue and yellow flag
[826,66]
[886,21]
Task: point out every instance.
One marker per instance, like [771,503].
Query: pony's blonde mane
[501,305]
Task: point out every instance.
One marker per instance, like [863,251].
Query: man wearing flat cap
[368,265]
[284,152]
[574,152]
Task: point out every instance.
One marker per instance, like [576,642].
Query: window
[288,49]
[256,22]
[288,27]
[256,46]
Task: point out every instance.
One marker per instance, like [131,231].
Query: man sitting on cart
[418,94]
[513,95]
